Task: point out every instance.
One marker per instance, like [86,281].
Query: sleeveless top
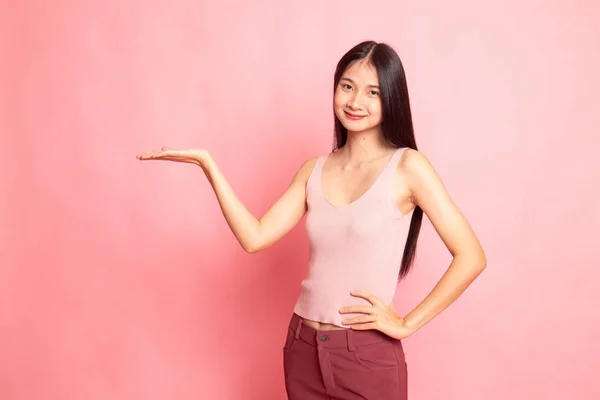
[358,246]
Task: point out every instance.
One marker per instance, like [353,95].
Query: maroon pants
[342,364]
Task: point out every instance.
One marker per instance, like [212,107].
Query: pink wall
[120,279]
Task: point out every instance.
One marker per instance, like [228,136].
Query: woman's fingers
[165,151]
[363,319]
[357,309]
[145,156]
[192,156]
[365,327]
[159,155]
[367,296]
[167,156]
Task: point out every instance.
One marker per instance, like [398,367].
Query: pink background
[121,280]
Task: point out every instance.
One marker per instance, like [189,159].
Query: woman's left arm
[429,193]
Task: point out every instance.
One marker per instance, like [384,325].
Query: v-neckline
[370,188]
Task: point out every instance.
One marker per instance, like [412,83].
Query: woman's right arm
[256,234]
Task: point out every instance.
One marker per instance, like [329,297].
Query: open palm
[194,156]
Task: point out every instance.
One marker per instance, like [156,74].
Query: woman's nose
[355,103]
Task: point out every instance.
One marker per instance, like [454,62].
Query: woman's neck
[364,147]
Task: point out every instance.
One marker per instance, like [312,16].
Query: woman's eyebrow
[352,82]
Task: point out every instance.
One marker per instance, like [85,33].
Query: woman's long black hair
[397,126]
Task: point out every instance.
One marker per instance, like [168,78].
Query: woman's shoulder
[306,168]
[411,158]
[415,164]
[310,162]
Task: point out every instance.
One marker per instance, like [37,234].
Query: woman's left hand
[377,316]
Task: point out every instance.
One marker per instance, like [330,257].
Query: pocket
[289,355]
[289,339]
[382,355]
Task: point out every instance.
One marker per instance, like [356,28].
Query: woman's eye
[374,93]
[346,86]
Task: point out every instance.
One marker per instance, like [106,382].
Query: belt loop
[350,339]
[298,327]
[297,333]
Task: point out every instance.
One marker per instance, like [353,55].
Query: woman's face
[357,102]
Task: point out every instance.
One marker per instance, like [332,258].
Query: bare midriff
[322,326]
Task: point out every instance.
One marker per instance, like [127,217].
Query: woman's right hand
[194,156]
[254,234]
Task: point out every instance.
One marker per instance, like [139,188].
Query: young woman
[365,203]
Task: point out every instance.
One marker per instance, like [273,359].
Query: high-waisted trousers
[342,364]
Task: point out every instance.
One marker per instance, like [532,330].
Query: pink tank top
[358,246]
